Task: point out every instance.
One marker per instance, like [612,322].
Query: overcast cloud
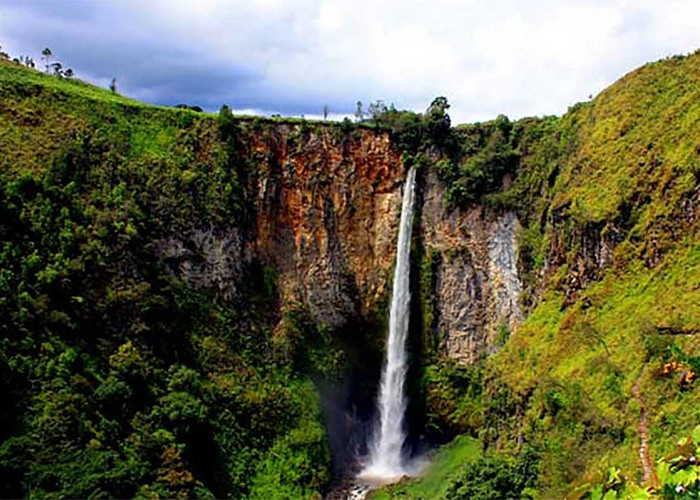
[293,57]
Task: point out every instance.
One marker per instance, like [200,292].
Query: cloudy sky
[292,57]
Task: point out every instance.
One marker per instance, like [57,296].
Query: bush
[487,154]
[494,477]
[453,398]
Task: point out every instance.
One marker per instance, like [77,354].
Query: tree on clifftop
[438,120]
[359,114]
[46,56]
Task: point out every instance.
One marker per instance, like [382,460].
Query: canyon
[197,304]
[326,213]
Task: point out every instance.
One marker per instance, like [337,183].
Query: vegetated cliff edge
[159,265]
[226,263]
[323,209]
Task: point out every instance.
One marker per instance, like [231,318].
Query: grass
[444,463]
[24,80]
[86,97]
[625,142]
[626,163]
[46,114]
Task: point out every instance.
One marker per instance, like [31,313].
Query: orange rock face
[322,213]
[326,212]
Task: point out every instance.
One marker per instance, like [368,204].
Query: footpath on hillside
[645,459]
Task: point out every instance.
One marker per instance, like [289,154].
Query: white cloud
[501,56]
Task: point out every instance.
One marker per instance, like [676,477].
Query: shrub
[494,477]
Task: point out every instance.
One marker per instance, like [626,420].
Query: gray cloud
[504,56]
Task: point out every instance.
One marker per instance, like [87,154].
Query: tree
[46,56]
[57,69]
[358,112]
[113,85]
[68,73]
[27,61]
[377,108]
[438,120]
[227,124]
[3,55]
[437,111]
[326,110]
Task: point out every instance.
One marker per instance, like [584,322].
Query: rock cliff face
[325,210]
[587,250]
[477,287]
[322,209]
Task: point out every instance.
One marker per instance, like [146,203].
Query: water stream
[386,461]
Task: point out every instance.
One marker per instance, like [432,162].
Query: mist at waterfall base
[386,461]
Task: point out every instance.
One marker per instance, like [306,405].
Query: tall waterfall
[385,460]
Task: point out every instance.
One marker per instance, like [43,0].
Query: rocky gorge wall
[324,210]
[476,283]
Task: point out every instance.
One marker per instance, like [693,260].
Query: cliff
[183,293]
[324,209]
[321,211]
[476,286]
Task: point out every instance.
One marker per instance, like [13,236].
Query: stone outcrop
[477,287]
[324,211]
[210,258]
[587,249]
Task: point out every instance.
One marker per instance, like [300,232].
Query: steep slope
[607,197]
[194,304]
[621,243]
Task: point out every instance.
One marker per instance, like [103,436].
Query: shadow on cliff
[349,405]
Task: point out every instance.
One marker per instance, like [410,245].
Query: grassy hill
[610,255]
[122,381]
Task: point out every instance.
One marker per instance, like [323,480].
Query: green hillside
[621,170]
[119,380]
[628,175]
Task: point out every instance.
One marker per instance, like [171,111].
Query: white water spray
[386,460]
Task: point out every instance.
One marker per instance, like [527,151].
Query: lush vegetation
[118,380]
[676,476]
[609,253]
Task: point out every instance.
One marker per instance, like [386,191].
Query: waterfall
[385,460]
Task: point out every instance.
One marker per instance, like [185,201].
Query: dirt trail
[648,473]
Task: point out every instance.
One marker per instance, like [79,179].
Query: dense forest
[136,363]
